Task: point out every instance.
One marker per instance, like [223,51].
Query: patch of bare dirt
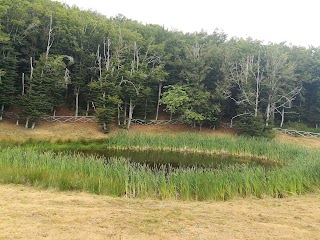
[28,213]
[50,131]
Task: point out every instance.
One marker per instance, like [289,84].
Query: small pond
[156,158]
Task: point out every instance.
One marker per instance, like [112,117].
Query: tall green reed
[119,177]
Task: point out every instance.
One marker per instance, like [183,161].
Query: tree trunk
[258,77]
[282,117]
[77,103]
[87,110]
[125,113]
[158,105]
[31,74]
[145,110]
[23,91]
[54,113]
[1,113]
[131,107]
[170,116]
[119,123]
[268,115]
[49,43]
[257,100]
[27,122]
[33,125]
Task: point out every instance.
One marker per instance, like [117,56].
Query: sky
[295,22]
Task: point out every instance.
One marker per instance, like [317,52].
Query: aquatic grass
[30,164]
[184,142]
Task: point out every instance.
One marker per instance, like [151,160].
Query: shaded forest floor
[31,213]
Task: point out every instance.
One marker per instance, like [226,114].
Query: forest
[119,69]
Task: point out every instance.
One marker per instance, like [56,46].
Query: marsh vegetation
[36,163]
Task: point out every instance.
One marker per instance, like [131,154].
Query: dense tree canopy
[120,69]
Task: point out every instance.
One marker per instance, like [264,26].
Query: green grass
[301,127]
[189,142]
[30,164]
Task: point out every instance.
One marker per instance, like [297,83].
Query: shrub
[255,126]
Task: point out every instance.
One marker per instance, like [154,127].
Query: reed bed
[184,142]
[118,177]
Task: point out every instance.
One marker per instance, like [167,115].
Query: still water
[154,158]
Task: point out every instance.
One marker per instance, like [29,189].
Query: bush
[255,126]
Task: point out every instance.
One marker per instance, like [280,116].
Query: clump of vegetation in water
[119,177]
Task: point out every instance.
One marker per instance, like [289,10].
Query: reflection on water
[154,158]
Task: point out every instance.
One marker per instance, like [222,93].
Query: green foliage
[8,75]
[250,125]
[196,70]
[174,98]
[106,98]
[45,89]
[254,126]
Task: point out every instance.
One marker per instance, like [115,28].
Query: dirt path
[28,213]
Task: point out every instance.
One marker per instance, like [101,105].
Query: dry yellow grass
[301,141]
[74,131]
[28,213]
[50,131]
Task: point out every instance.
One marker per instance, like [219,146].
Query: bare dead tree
[50,38]
[247,76]
[282,86]
[22,83]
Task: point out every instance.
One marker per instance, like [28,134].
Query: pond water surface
[156,158]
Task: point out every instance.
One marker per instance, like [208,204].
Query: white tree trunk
[125,113]
[159,94]
[131,107]
[145,109]
[1,113]
[268,112]
[257,99]
[31,73]
[282,118]
[87,110]
[23,82]
[77,104]
[50,41]
[27,122]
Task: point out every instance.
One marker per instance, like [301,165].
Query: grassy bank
[28,164]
